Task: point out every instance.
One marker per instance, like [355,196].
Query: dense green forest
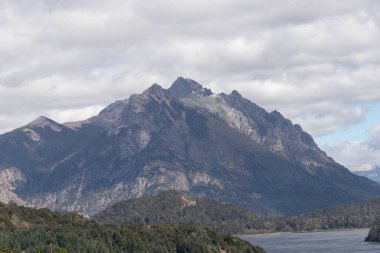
[154,225]
[364,214]
[180,208]
[25,229]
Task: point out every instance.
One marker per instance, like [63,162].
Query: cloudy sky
[317,62]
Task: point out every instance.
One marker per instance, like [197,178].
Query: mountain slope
[179,208]
[184,138]
[363,214]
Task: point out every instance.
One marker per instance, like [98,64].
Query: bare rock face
[44,122]
[187,88]
[9,178]
[184,138]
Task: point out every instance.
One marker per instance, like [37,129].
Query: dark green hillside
[30,230]
[373,235]
[180,208]
[358,215]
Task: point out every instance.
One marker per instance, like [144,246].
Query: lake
[313,242]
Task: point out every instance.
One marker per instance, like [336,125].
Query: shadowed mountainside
[186,138]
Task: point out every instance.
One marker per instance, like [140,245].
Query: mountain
[173,207]
[30,230]
[369,171]
[186,138]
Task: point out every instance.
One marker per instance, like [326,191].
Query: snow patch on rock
[32,134]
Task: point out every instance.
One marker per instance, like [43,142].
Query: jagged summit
[276,115]
[44,122]
[235,93]
[40,121]
[235,98]
[182,88]
[185,138]
[109,115]
[157,92]
[120,112]
[154,88]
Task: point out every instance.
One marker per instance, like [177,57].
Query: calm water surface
[313,242]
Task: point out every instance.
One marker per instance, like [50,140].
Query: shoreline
[300,232]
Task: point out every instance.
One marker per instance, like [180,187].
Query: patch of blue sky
[357,132]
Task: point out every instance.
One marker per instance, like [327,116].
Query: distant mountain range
[186,138]
[369,171]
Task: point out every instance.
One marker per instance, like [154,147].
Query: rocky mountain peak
[182,88]
[278,119]
[154,88]
[114,115]
[235,98]
[157,92]
[44,122]
[236,94]
[110,115]
[40,121]
[220,146]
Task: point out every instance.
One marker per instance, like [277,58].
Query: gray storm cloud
[318,62]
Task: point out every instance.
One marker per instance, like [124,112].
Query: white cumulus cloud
[316,61]
[354,154]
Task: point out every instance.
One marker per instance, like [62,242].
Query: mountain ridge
[220,146]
